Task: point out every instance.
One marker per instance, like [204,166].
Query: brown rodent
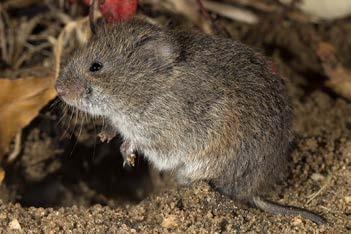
[203,107]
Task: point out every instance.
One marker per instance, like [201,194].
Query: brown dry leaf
[231,12]
[2,175]
[323,9]
[339,76]
[326,51]
[187,8]
[340,80]
[20,102]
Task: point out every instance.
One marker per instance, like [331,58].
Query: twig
[91,16]
[28,54]
[231,12]
[327,209]
[3,46]
[21,36]
[218,27]
[257,4]
[203,10]
[325,185]
[16,149]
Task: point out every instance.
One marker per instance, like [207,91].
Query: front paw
[107,134]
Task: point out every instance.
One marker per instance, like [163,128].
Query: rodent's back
[248,109]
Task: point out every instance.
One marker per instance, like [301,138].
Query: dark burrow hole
[82,172]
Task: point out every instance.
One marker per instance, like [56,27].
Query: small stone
[347,199]
[317,177]
[14,225]
[312,144]
[348,225]
[296,221]
[346,152]
[170,221]
[209,215]
[348,210]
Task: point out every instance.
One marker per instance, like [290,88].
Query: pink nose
[60,90]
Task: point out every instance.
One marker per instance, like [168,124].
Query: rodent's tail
[274,208]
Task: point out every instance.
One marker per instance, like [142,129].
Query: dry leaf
[339,76]
[326,51]
[22,99]
[231,12]
[340,80]
[324,9]
[20,102]
[2,175]
[187,8]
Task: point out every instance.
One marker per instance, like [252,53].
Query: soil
[64,180]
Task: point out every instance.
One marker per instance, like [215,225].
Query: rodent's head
[126,64]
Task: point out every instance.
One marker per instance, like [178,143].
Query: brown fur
[203,107]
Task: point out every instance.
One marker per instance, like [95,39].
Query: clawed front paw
[107,134]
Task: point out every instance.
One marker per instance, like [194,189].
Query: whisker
[54,103]
[64,113]
[68,123]
[80,130]
[75,125]
[75,122]
[95,138]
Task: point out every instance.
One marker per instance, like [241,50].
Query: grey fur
[206,108]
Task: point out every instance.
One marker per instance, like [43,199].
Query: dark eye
[95,66]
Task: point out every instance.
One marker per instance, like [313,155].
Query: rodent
[203,107]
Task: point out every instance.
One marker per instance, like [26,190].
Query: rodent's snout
[71,90]
[60,90]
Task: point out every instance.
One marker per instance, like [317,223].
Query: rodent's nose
[60,90]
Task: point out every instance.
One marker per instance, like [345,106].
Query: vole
[203,107]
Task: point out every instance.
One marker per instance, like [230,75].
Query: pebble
[170,221]
[317,177]
[297,221]
[14,225]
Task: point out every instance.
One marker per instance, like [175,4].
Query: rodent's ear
[101,26]
[158,44]
[145,39]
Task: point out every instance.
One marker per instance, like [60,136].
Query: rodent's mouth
[85,100]
[75,104]
[81,108]
[85,105]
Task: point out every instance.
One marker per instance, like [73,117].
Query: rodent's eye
[95,66]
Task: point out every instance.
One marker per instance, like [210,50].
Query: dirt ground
[65,181]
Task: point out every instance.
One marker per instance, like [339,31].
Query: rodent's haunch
[206,108]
